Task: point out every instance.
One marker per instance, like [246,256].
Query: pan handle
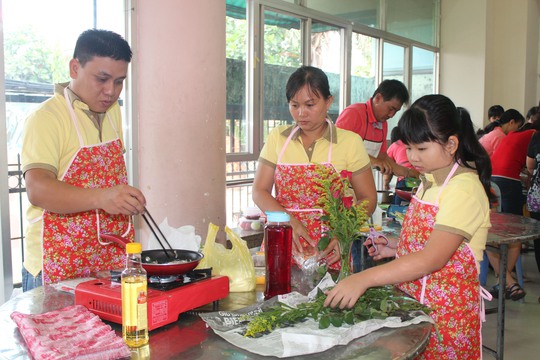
[117,239]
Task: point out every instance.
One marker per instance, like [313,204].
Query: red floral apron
[71,244]
[453,293]
[297,192]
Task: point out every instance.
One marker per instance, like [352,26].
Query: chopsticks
[153,227]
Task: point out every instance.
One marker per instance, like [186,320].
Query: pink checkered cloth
[70,333]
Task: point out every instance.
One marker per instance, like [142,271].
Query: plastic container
[260,275]
[251,213]
[134,299]
[278,254]
[250,224]
[251,219]
[377,216]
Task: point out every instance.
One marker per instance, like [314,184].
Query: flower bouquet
[342,216]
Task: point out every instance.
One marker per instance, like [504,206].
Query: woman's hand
[380,247]
[332,252]
[300,232]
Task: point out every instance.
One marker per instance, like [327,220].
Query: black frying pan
[161,262]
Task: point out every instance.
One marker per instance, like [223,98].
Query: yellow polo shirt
[463,205]
[348,152]
[50,142]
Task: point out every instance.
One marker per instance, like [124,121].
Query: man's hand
[47,192]
[383,164]
[122,199]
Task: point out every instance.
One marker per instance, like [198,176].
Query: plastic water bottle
[278,254]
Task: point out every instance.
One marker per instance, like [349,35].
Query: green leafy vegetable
[376,303]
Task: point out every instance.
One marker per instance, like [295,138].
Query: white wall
[462,59]
[489,54]
[179,62]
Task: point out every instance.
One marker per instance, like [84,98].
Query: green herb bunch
[375,303]
[342,215]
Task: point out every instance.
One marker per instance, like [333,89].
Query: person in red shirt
[369,121]
[507,161]
[397,151]
[494,132]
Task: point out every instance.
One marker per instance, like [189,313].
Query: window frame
[255,54]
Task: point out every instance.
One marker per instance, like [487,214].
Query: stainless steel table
[188,338]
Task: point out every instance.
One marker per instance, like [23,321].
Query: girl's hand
[345,293]
[332,252]
[380,247]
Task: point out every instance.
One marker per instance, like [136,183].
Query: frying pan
[162,262]
[404,194]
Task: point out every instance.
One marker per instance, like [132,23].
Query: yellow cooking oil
[134,299]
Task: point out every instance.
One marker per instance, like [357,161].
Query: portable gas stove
[168,296]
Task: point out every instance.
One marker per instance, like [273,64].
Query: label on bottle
[134,310]
[142,310]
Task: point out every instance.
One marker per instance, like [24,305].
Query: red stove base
[103,298]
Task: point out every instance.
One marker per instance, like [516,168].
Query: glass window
[281,33]
[413,19]
[326,55]
[393,66]
[38,45]
[235,51]
[423,73]
[364,12]
[363,67]
[282,56]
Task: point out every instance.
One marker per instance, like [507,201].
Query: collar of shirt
[96,118]
[326,134]
[371,115]
[438,177]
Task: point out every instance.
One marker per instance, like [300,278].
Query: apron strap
[75,122]
[99,230]
[454,168]
[484,295]
[73,117]
[423,293]
[450,174]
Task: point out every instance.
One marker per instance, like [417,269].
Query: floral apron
[71,244]
[453,293]
[297,192]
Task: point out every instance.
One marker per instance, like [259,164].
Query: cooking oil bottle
[134,299]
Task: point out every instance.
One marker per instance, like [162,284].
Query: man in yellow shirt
[74,170]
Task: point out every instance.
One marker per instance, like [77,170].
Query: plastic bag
[235,263]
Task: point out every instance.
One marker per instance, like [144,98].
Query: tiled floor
[522,335]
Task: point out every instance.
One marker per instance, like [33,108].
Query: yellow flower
[342,216]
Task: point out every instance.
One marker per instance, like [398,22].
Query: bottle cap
[133,248]
[278,216]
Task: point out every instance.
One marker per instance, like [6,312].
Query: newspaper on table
[302,338]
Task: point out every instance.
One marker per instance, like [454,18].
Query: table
[505,229]
[188,338]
